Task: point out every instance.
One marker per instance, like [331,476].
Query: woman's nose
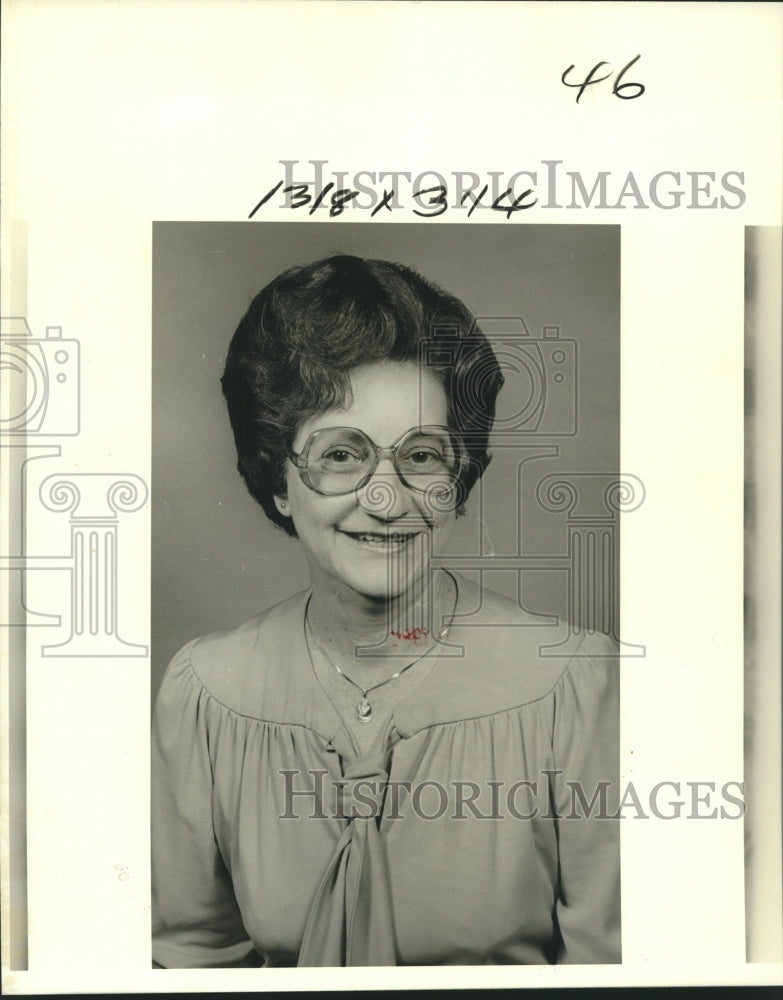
[384,495]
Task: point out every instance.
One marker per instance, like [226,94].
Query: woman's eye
[341,456]
[424,457]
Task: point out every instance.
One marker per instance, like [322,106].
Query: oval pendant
[364,710]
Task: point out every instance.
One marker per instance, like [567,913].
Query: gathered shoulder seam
[233,711]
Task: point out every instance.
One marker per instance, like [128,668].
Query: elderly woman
[383,769]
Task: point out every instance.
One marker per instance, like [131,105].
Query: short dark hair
[293,352]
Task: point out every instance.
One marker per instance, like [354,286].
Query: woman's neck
[342,619]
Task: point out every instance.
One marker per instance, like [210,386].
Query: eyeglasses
[339,460]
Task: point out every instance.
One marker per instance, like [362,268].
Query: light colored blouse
[477,830]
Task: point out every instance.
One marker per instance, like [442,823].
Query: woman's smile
[379,539]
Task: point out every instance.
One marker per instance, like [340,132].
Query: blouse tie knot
[363,785]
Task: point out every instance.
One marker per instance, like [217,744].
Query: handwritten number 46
[619,89]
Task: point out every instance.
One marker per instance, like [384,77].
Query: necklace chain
[364,709]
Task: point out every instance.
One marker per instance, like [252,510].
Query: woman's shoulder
[493,614]
[525,657]
[263,627]
[234,665]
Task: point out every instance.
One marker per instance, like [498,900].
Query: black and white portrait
[385,595]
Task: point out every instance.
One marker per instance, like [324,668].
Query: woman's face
[377,540]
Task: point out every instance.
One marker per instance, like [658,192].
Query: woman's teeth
[378,539]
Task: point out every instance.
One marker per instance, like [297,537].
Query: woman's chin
[384,583]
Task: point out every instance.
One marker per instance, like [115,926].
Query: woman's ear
[282,505]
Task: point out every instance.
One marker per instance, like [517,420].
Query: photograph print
[385,636]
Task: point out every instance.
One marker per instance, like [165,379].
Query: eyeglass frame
[300,459]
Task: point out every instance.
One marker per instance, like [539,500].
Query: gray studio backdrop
[216,560]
